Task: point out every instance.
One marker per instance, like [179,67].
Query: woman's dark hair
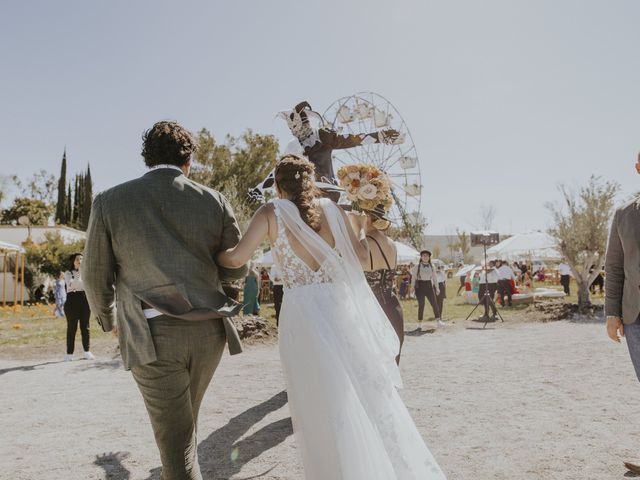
[72,260]
[167,143]
[296,176]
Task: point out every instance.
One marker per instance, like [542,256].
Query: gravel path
[516,401]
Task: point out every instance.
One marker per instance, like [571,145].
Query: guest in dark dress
[381,272]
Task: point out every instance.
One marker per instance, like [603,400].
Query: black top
[381,280]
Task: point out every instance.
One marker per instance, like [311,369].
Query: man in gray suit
[622,282]
[150,277]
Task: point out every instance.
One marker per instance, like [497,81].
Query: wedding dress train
[338,354]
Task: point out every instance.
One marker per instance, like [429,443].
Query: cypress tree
[76,199]
[68,210]
[87,198]
[61,212]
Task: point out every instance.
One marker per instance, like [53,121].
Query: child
[60,294]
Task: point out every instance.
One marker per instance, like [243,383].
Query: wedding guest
[622,300]
[565,276]
[441,276]
[462,279]
[425,284]
[410,290]
[264,276]
[60,295]
[405,281]
[278,291]
[489,282]
[250,293]
[505,277]
[382,269]
[524,268]
[76,308]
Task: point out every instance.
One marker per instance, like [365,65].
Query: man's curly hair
[167,142]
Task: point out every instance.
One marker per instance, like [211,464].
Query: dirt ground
[517,400]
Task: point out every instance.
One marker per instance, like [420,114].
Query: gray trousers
[173,387]
[632,334]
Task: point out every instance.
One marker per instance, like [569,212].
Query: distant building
[18,234]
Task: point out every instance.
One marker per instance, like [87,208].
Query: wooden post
[4,283]
[15,279]
[22,285]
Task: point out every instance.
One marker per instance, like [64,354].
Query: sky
[505,99]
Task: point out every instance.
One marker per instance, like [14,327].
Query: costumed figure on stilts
[317,144]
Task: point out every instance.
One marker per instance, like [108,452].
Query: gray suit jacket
[154,239]
[622,265]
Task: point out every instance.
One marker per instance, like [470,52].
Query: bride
[336,345]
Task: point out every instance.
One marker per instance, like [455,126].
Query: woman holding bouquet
[369,191]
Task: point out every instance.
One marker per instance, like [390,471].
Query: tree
[5,185]
[61,205]
[51,256]
[580,229]
[68,209]
[75,215]
[41,186]
[463,245]
[37,211]
[87,199]
[234,166]
[487,216]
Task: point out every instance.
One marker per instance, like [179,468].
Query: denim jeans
[632,334]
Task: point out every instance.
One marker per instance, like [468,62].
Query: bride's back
[324,231]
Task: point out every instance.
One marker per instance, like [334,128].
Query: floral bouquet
[367,187]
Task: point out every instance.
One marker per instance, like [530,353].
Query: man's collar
[165,165]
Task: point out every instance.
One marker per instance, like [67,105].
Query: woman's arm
[256,232]
[358,236]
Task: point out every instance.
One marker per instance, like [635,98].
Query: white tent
[266,260]
[532,245]
[406,254]
[9,247]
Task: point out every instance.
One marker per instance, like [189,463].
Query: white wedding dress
[338,353]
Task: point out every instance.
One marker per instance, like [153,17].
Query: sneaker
[68,357]
[441,323]
[89,356]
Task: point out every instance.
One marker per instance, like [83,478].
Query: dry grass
[36,325]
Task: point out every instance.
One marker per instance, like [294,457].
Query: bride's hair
[296,176]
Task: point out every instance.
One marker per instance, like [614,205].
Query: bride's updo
[296,176]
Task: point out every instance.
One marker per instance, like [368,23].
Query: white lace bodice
[293,271]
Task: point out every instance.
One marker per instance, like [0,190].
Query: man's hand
[114,331]
[615,327]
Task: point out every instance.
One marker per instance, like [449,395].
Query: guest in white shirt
[425,284]
[565,276]
[278,290]
[505,277]
[76,308]
[489,281]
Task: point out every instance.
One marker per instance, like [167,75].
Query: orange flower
[355,183]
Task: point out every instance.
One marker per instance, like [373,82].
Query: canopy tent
[10,248]
[532,245]
[266,260]
[406,254]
